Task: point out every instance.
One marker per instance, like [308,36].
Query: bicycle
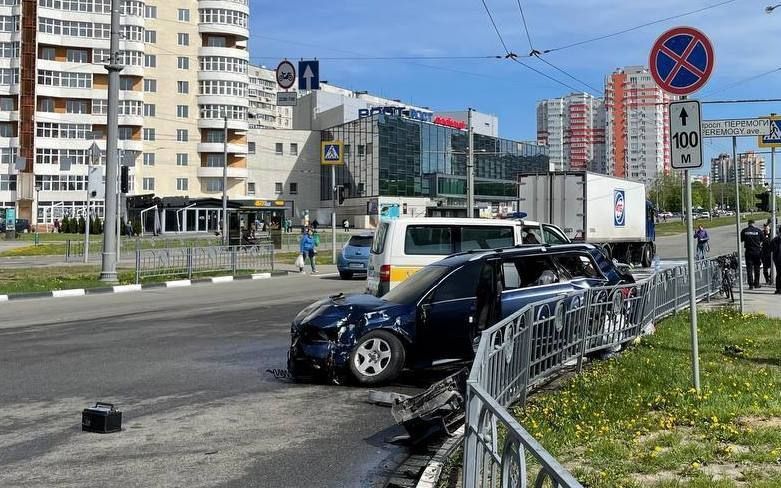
[728,266]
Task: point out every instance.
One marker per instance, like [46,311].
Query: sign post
[772,140]
[681,62]
[332,154]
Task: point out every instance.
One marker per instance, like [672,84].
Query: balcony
[216,172]
[217,147]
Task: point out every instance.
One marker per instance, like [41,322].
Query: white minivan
[403,246]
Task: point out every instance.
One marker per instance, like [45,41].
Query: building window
[183,86]
[183,62]
[150,61]
[149,110]
[181,184]
[251,147]
[213,184]
[149,184]
[278,188]
[125,133]
[126,83]
[346,150]
[294,188]
[47,53]
[149,134]
[45,104]
[278,148]
[361,150]
[150,12]
[77,56]
[150,86]
[215,41]
[150,37]
[214,160]
[183,15]
[214,135]
[250,189]
[293,149]
[149,159]
[183,39]
[7,104]
[181,159]
[182,111]
[181,135]
[77,107]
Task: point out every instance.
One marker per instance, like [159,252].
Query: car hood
[343,309]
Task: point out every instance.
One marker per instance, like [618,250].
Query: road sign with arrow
[309,75]
[685,134]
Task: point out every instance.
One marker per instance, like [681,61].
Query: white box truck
[609,212]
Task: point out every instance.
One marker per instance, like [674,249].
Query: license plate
[356,266]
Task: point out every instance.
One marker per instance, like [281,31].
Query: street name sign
[681,60]
[773,137]
[286,99]
[735,128]
[685,134]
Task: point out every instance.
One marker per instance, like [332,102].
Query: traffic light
[341,195]
[763,201]
[124,179]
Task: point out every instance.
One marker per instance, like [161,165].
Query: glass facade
[393,156]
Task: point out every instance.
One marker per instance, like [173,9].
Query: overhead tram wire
[514,57]
[630,29]
[526,27]
[741,82]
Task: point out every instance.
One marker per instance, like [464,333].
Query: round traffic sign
[286,74]
[682,60]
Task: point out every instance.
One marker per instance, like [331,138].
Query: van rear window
[378,246]
[428,240]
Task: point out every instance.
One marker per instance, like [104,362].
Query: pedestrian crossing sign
[331,153]
[774,138]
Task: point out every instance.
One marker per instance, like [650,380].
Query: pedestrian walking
[767,254]
[703,246]
[307,247]
[775,251]
[751,237]
[346,225]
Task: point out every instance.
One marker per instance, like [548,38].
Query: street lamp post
[225,241]
[38,188]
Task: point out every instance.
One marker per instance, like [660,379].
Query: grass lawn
[20,280]
[672,227]
[57,247]
[635,421]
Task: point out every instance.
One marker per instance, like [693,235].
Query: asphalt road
[188,369]
[723,240]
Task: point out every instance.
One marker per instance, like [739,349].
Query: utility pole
[108,270]
[737,221]
[333,212]
[470,167]
[225,241]
[773,222]
[89,217]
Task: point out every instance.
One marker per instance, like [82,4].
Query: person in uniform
[751,237]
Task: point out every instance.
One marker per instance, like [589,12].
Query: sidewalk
[761,301]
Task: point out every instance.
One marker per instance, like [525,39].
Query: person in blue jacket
[307,246]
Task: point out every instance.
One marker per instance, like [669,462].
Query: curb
[433,470]
[77,292]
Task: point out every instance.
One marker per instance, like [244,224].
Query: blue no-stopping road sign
[681,60]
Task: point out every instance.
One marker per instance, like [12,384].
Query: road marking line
[326,275]
[177,283]
[126,288]
[261,276]
[68,293]
[3,298]
[221,279]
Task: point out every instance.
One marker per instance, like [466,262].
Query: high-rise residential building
[751,169]
[185,72]
[573,127]
[637,129]
[264,112]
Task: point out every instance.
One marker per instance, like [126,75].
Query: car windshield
[360,241]
[413,288]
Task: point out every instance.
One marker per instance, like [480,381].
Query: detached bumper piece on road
[437,411]
[103,418]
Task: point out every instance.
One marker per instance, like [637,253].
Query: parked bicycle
[728,266]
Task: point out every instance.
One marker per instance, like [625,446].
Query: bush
[82,225]
[137,227]
[65,225]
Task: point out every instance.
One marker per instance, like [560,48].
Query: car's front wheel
[378,357]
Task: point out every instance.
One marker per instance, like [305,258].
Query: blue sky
[745,39]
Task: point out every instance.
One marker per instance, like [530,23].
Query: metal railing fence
[190,261]
[537,342]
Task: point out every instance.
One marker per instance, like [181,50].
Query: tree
[82,225]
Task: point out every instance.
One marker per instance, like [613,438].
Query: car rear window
[360,241]
[379,239]
[486,237]
[428,240]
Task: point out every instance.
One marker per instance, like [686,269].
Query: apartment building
[637,130]
[573,128]
[185,72]
[264,113]
[751,169]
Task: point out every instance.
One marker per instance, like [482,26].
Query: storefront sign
[407,112]
[448,122]
[269,203]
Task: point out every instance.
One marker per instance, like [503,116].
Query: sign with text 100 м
[685,135]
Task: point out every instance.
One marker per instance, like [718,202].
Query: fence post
[587,312]
[67,250]
[232,250]
[189,263]
[138,262]
[272,258]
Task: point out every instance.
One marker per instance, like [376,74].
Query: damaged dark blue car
[435,316]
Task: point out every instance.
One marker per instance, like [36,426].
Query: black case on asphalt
[103,418]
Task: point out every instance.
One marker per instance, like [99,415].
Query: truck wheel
[377,358]
[647,258]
